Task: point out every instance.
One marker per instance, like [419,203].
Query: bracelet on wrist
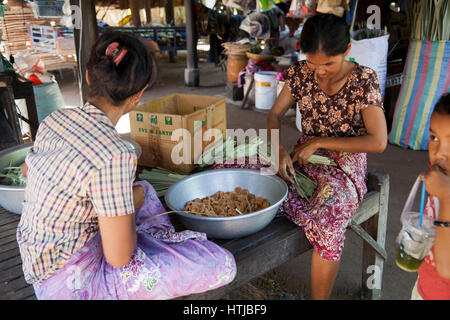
[438,223]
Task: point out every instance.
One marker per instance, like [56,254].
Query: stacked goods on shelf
[15,25]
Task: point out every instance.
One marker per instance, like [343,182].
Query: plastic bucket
[265,89]
[48,98]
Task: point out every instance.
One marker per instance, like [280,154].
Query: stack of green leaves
[12,176]
[304,186]
[228,150]
[430,20]
[321,160]
[161,179]
[214,153]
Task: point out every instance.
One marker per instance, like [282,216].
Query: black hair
[118,82]
[283,6]
[326,33]
[443,105]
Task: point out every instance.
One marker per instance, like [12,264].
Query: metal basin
[11,197]
[206,183]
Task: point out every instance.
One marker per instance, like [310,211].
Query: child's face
[439,146]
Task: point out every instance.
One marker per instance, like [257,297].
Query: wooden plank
[32,297]
[9,263]
[370,226]
[380,181]
[8,239]
[8,230]
[284,241]
[9,254]
[8,219]
[369,207]
[367,238]
[21,294]
[8,246]
[11,274]
[12,286]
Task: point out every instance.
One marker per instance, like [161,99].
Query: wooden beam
[148,10]
[135,16]
[170,16]
[191,73]
[170,19]
[85,37]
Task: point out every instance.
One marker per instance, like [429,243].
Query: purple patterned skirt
[165,264]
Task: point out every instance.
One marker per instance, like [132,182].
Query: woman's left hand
[302,153]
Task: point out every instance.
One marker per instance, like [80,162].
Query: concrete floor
[292,279]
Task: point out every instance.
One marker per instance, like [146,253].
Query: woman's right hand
[286,166]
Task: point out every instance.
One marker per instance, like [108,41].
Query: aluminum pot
[11,197]
[206,183]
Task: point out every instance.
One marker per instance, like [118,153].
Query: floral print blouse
[338,115]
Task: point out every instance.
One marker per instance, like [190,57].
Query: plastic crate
[47,9]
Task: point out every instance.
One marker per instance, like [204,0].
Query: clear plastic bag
[414,241]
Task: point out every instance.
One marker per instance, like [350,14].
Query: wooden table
[255,255]
[12,282]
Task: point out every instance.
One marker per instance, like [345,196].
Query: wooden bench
[282,240]
[255,255]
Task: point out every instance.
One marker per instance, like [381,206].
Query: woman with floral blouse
[343,119]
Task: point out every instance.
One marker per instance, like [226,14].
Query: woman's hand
[138,196]
[302,153]
[286,167]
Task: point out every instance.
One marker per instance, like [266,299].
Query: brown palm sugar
[227,204]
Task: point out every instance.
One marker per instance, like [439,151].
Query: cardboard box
[153,125]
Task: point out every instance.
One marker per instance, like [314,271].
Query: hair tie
[113,51]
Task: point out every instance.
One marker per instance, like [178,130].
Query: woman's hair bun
[118,81]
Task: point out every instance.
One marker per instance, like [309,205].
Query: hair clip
[113,51]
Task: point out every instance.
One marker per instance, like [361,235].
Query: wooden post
[170,16]
[148,10]
[170,19]
[373,263]
[84,39]
[191,73]
[135,16]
